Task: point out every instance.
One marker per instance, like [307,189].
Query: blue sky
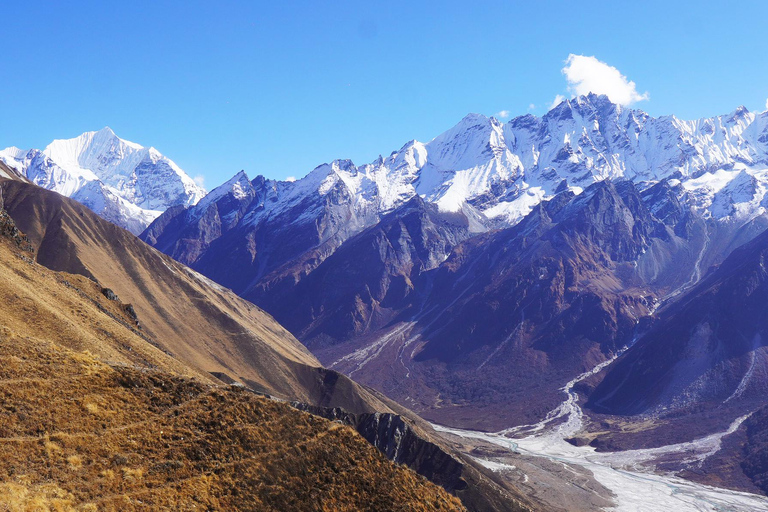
[276,88]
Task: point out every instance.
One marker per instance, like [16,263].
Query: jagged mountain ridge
[491,172]
[125,183]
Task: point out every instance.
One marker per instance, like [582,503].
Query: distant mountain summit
[125,183]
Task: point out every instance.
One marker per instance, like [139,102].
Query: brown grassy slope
[194,320]
[77,434]
[72,312]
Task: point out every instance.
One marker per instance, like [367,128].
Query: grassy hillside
[94,417]
[77,434]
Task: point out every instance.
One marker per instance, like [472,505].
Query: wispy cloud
[200,180]
[531,107]
[558,100]
[502,114]
[290,178]
[588,74]
[766,104]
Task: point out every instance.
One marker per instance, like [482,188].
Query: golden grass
[169,443]
[43,498]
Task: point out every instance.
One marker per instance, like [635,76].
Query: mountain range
[432,274]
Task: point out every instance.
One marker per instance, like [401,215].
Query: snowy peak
[101,151]
[474,139]
[239,187]
[14,152]
[115,161]
[124,182]
[498,172]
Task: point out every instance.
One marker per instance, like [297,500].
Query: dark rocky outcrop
[404,443]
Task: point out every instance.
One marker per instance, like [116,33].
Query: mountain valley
[182,325]
[474,272]
[573,301]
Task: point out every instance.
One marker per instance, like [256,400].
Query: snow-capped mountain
[481,166]
[123,182]
[503,170]
[494,173]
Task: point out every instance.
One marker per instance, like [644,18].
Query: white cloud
[558,100]
[531,107]
[200,180]
[290,178]
[502,114]
[766,104]
[587,74]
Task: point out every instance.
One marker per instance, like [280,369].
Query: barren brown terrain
[78,434]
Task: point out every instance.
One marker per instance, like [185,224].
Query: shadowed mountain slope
[368,281]
[706,349]
[508,317]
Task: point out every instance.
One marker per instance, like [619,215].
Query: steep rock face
[706,350]
[370,279]
[123,182]
[513,314]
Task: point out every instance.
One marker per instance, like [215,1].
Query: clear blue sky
[277,88]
